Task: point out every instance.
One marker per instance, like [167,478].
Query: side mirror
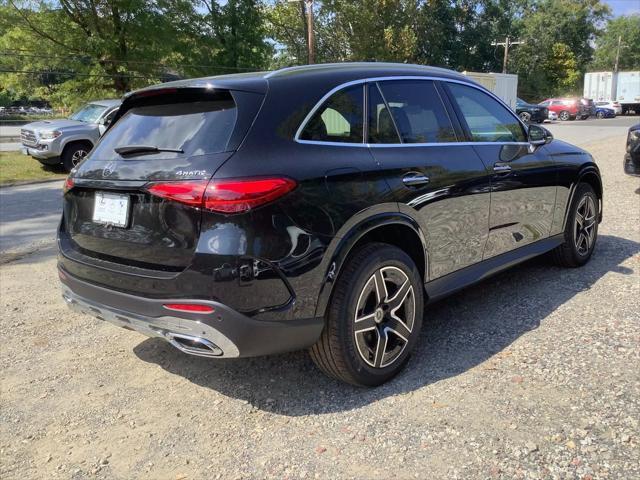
[539,135]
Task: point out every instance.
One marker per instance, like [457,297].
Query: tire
[525,117]
[579,241]
[354,351]
[564,115]
[74,154]
[600,115]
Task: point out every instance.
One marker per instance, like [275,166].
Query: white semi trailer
[621,87]
[503,85]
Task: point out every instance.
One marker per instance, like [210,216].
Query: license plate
[111,209]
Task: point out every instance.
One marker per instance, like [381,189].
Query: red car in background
[569,108]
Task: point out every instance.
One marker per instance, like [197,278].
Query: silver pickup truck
[67,141]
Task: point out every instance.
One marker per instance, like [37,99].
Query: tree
[556,33]
[627,28]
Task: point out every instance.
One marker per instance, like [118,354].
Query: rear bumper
[224,333]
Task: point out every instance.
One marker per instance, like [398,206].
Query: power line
[74,74]
[133,62]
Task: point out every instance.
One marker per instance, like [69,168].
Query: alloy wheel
[584,232]
[385,316]
[78,156]
[525,117]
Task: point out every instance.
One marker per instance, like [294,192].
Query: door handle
[415,179]
[501,168]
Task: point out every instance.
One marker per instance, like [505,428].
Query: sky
[623,7]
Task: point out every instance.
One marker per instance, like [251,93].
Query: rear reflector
[225,196]
[189,307]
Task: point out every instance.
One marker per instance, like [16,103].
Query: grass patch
[16,167]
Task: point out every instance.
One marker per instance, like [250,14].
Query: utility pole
[307,11]
[311,37]
[506,44]
[615,67]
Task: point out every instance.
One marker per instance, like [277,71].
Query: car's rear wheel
[581,230]
[374,318]
[564,115]
[73,154]
[525,117]
[600,115]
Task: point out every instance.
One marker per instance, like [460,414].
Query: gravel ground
[532,374]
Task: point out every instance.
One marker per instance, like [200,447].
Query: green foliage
[558,36]
[79,50]
[70,51]
[627,28]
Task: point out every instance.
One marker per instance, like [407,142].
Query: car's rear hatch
[161,138]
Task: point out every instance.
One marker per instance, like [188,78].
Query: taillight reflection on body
[225,196]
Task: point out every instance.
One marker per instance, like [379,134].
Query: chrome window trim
[391,145]
[351,83]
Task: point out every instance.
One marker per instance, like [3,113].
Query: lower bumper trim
[189,336]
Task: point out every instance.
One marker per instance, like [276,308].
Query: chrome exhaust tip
[193,345]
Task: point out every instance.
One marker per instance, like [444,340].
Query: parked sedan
[632,157]
[602,112]
[615,106]
[531,113]
[314,207]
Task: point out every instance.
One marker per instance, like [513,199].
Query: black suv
[314,207]
[531,113]
[632,155]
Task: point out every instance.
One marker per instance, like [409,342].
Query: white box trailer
[503,85]
[623,87]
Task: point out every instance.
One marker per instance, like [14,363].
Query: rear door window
[339,119]
[196,128]
[487,119]
[418,112]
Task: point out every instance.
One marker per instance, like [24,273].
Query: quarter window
[339,119]
[417,111]
[488,121]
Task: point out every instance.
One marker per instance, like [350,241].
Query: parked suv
[632,155]
[567,108]
[531,113]
[314,207]
[67,141]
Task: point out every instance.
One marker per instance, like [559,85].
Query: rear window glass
[196,128]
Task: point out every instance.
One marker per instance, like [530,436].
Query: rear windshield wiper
[142,149]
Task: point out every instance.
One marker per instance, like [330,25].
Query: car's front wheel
[581,230]
[73,154]
[525,117]
[600,115]
[374,318]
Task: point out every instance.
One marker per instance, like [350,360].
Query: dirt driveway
[532,374]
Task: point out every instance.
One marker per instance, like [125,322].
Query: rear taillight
[68,184]
[191,193]
[225,196]
[235,196]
